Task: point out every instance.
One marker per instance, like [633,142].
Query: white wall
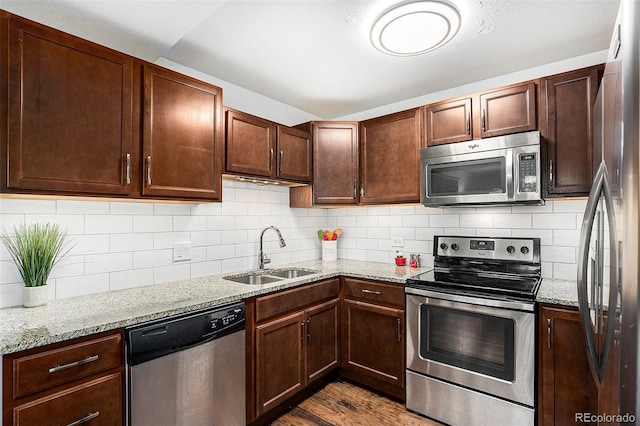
[122,244]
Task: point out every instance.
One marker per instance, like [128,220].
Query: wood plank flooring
[341,403]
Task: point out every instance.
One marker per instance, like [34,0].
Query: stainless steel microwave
[498,170]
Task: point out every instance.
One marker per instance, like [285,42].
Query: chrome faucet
[262,256]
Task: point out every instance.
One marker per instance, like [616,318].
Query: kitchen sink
[291,273]
[268,276]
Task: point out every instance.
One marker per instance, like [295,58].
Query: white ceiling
[315,55]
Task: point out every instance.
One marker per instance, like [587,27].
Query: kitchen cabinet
[335,163]
[70,113]
[182,136]
[372,333]
[565,384]
[262,148]
[292,342]
[505,110]
[390,158]
[81,380]
[566,115]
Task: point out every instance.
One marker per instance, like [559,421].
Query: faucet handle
[265,258]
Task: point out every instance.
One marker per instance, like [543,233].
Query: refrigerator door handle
[597,360]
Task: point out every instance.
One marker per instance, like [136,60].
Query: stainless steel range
[471,332]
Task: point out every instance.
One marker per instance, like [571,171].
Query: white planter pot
[35,296]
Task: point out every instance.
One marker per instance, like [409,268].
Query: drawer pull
[73,364]
[364,290]
[85,419]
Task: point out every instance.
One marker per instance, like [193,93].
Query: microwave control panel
[528,177]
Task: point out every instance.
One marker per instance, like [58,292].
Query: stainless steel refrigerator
[608,269]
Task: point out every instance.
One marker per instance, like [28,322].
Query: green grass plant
[36,248]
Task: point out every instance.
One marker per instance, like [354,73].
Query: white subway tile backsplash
[124,243]
[74,224]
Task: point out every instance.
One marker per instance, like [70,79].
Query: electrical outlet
[397,242]
[181,252]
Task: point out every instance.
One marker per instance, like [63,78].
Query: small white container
[35,296]
[329,250]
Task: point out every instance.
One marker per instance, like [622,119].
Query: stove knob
[511,249]
[443,246]
[454,246]
[524,250]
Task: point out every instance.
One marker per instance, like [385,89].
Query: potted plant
[36,248]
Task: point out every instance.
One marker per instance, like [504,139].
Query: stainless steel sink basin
[268,276]
[291,273]
[254,279]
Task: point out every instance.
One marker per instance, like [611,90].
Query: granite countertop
[558,292]
[64,319]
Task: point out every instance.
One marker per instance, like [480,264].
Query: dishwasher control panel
[220,320]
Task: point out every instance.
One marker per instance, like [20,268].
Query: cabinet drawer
[388,293]
[44,370]
[98,402]
[290,300]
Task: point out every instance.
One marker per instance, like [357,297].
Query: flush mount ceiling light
[415,28]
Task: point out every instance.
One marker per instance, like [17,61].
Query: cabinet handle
[549,333]
[302,335]
[149,170]
[468,123]
[85,419]
[281,155]
[271,159]
[377,293]
[73,364]
[309,329]
[355,189]
[484,121]
[399,330]
[550,172]
[362,188]
[128,172]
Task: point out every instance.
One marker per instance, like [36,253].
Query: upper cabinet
[335,158]
[506,110]
[262,148]
[86,120]
[70,111]
[182,136]
[448,122]
[566,117]
[390,158]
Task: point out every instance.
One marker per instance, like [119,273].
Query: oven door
[486,348]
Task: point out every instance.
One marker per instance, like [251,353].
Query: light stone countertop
[558,292]
[64,319]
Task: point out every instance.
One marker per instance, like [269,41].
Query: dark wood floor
[342,403]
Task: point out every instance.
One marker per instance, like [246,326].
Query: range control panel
[504,248]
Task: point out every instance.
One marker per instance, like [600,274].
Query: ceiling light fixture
[414,28]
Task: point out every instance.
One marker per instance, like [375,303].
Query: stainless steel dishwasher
[188,370]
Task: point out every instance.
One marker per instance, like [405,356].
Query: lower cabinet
[75,382]
[566,385]
[292,342]
[373,343]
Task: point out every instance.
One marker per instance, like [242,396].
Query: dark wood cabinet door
[251,144]
[335,163]
[373,344]
[567,100]
[279,348]
[322,339]
[390,158]
[566,385]
[448,122]
[182,136]
[70,106]
[508,110]
[294,154]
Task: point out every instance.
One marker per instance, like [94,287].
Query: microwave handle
[511,175]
